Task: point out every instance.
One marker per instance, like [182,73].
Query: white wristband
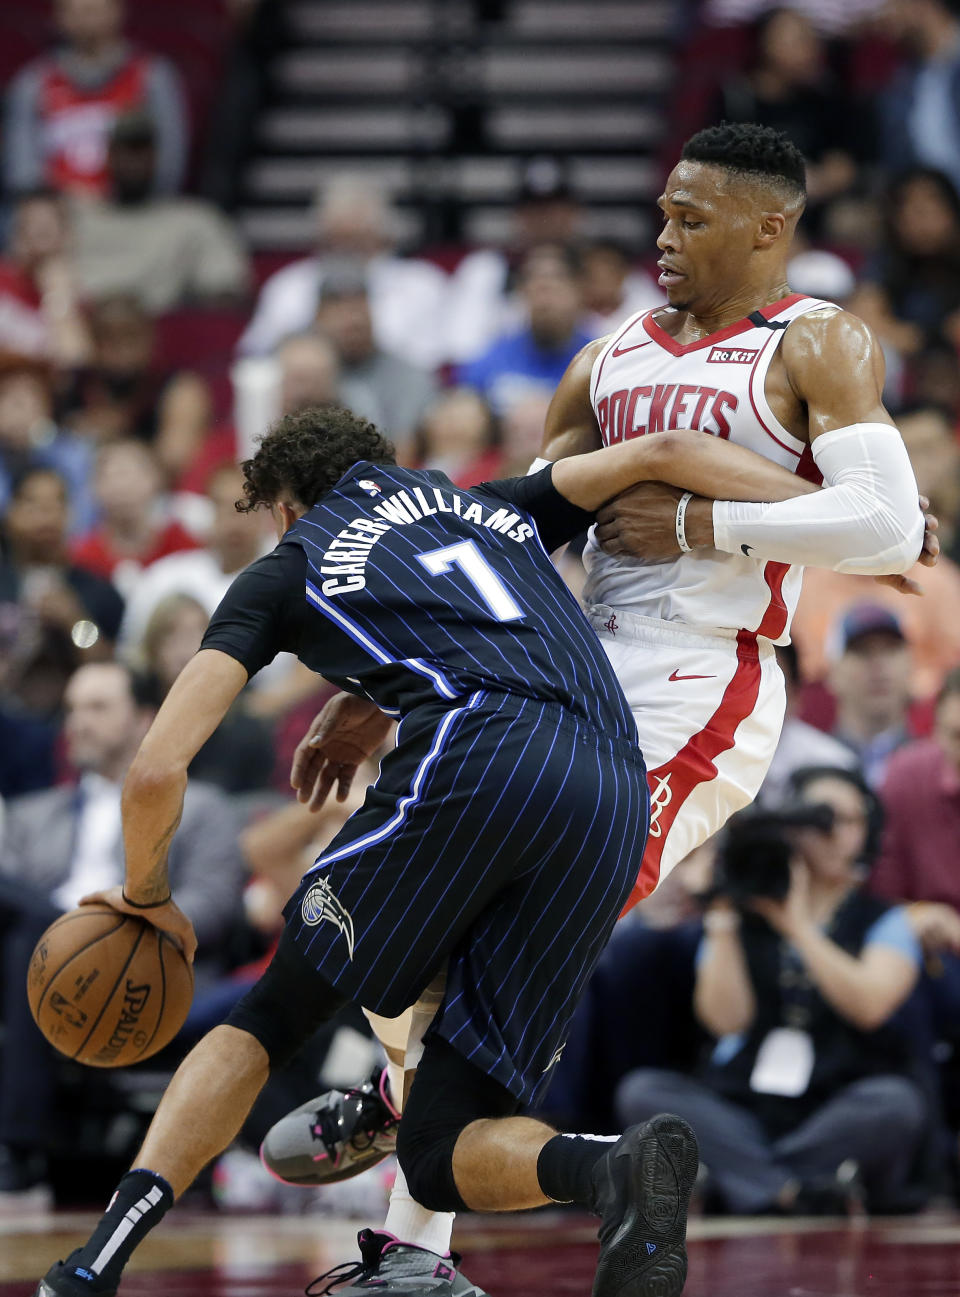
[681,516]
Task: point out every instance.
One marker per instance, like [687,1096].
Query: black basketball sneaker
[335,1136]
[642,1191]
[395,1269]
[63,1280]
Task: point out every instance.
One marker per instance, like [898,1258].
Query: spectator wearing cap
[40,311]
[407,295]
[930,624]
[483,303]
[393,393]
[870,680]
[165,250]
[531,361]
[61,107]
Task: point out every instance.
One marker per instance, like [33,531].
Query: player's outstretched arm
[153,789]
[692,461]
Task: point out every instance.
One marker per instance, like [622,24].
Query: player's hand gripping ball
[108,988]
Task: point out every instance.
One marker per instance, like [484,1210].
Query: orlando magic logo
[320,905]
[371,488]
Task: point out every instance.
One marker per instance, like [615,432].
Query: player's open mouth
[669,276]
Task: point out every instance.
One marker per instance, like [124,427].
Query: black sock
[565,1167]
[141,1201]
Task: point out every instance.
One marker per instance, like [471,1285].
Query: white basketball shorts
[709,709]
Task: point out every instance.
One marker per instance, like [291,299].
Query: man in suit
[65,842]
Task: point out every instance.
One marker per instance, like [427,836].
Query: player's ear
[770,228]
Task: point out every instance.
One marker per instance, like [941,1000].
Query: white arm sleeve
[538,464]
[866,519]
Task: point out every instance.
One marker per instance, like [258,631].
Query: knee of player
[425,1154]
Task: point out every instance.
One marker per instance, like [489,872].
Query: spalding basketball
[108,989]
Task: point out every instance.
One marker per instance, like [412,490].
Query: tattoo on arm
[156,885]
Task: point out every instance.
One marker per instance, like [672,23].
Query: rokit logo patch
[731,356]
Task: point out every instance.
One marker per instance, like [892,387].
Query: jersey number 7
[466,556]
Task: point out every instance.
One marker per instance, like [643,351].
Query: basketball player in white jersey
[689,596]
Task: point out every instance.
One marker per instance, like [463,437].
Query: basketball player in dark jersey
[499,842]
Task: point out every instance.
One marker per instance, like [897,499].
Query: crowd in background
[142,348]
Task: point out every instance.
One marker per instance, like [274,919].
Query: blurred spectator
[935,378]
[407,295]
[533,360]
[234,541]
[920,111]
[870,679]
[123,394]
[166,251]
[29,437]
[521,432]
[910,293]
[613,288]
[800,744]
[921,795]
[931,441]
[789,88]
[482,302]
[54,614]
[238,756]
[829,15]
[306,373]
[40,313]
[459,436]
[821,274]
[930,624]
[60,107]
[62,844]
[135,527]
[392,393]
[808,1073]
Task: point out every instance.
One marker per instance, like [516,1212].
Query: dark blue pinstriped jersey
[425,591]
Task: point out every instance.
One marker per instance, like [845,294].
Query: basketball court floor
[543,1255]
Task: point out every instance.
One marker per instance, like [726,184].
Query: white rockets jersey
[644,382]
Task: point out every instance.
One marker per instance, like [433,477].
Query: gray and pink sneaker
[337,1135]
[395,1269]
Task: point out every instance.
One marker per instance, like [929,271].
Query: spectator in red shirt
[60,107]
[40,312]
[136,527]
[921,795]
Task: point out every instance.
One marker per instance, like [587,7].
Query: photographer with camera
[807,1095]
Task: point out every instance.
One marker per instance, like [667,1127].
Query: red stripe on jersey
[774,621]
[694,763]
[753,374]
[740,326]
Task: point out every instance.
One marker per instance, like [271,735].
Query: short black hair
[750,150]
[305,454]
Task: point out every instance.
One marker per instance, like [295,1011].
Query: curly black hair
[305,454]
[752,150]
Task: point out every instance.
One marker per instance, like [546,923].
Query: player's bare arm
[571,426]
[155,784]
[341,737]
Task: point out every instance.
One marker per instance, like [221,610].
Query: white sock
[411,1223]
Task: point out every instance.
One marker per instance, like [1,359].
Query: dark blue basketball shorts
[500,842]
